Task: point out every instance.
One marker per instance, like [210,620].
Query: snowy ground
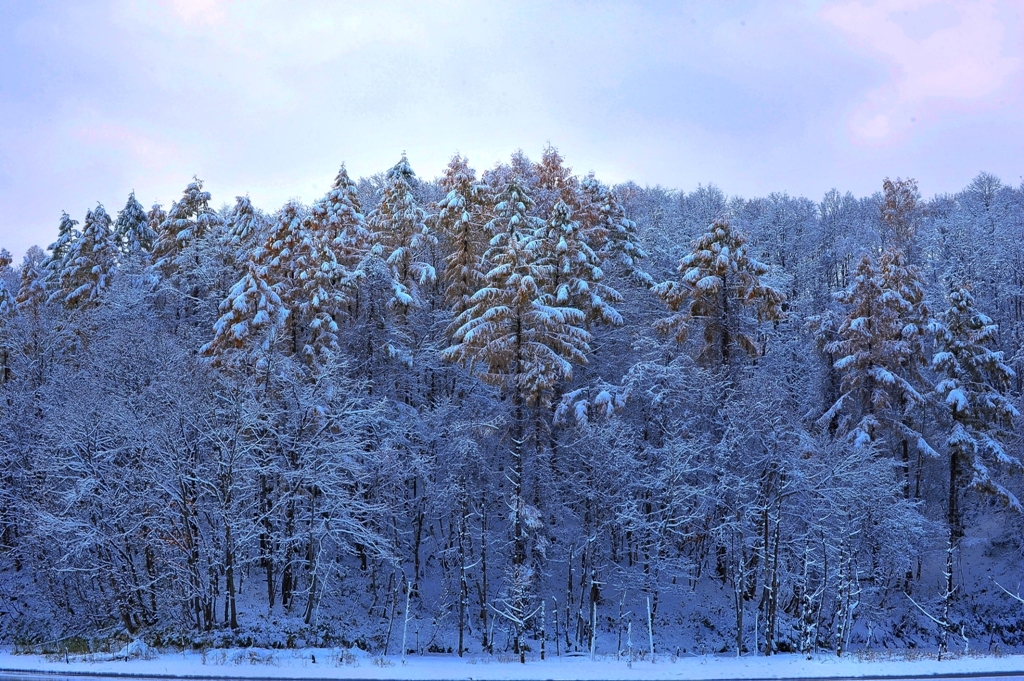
[342,664]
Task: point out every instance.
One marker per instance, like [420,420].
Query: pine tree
[973,386]
[131,230]
[555,182]
[400,234]
[155,219]
[32,291]
[518,337]
[575,269]
[251,316]
[8,309]
[187,222]
[879,352]
[461,217]
[66,236]
[339,217]
[297,265]
[89,264]
[609,230]
[719,281]
[322,286]
[900,213]
[244,225]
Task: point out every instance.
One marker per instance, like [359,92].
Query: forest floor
[355,664]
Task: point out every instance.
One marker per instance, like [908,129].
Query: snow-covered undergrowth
[355,664]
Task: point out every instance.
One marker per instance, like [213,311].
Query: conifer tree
[555,182]
[461,217]
[32,291]
[322,285]
[609,230]
[187,222]
[131,230]
[8,309]
[155,219]
[900,213]
[244,225]
[518,337]
[89,264]
[400,235]
[575,269]
[879,352]
[973,386]
[66,236]
[251,316]
[719,281]
[297,265]
[339,218]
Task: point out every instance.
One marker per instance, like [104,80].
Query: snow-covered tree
[187,222]
[574,269]
[400,235]
[720,281]
[251,316]
[520,338]
[610,231]
[461,217]
[155,219]
[879,351]
[131,230]
[244,225]
[32,291]
[900,212]
[89,264]
[555,182]
[59,249]
[516,335]
[339,217]
[973,387]
[8,309]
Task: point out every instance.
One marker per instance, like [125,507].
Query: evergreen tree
[251,317]
[400,235]
[339,218]
[575,269]
[244,225]
[610,231]
[518,337]
[131,230]
[461,217]
[32,291]
[900,213]
[187,222]
[555,182]
[719,281]
[8,309]
[973,386]
[89,264]
[879,351]
[67,234]
[155,219]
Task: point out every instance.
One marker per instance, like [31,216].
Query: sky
[98,99]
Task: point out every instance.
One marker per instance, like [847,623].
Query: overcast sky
[99,98]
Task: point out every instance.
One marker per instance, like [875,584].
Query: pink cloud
[940,55]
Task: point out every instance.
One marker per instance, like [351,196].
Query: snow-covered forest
[515,409]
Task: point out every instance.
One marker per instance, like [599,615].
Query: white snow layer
[355,664]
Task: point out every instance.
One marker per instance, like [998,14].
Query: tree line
[523,410]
